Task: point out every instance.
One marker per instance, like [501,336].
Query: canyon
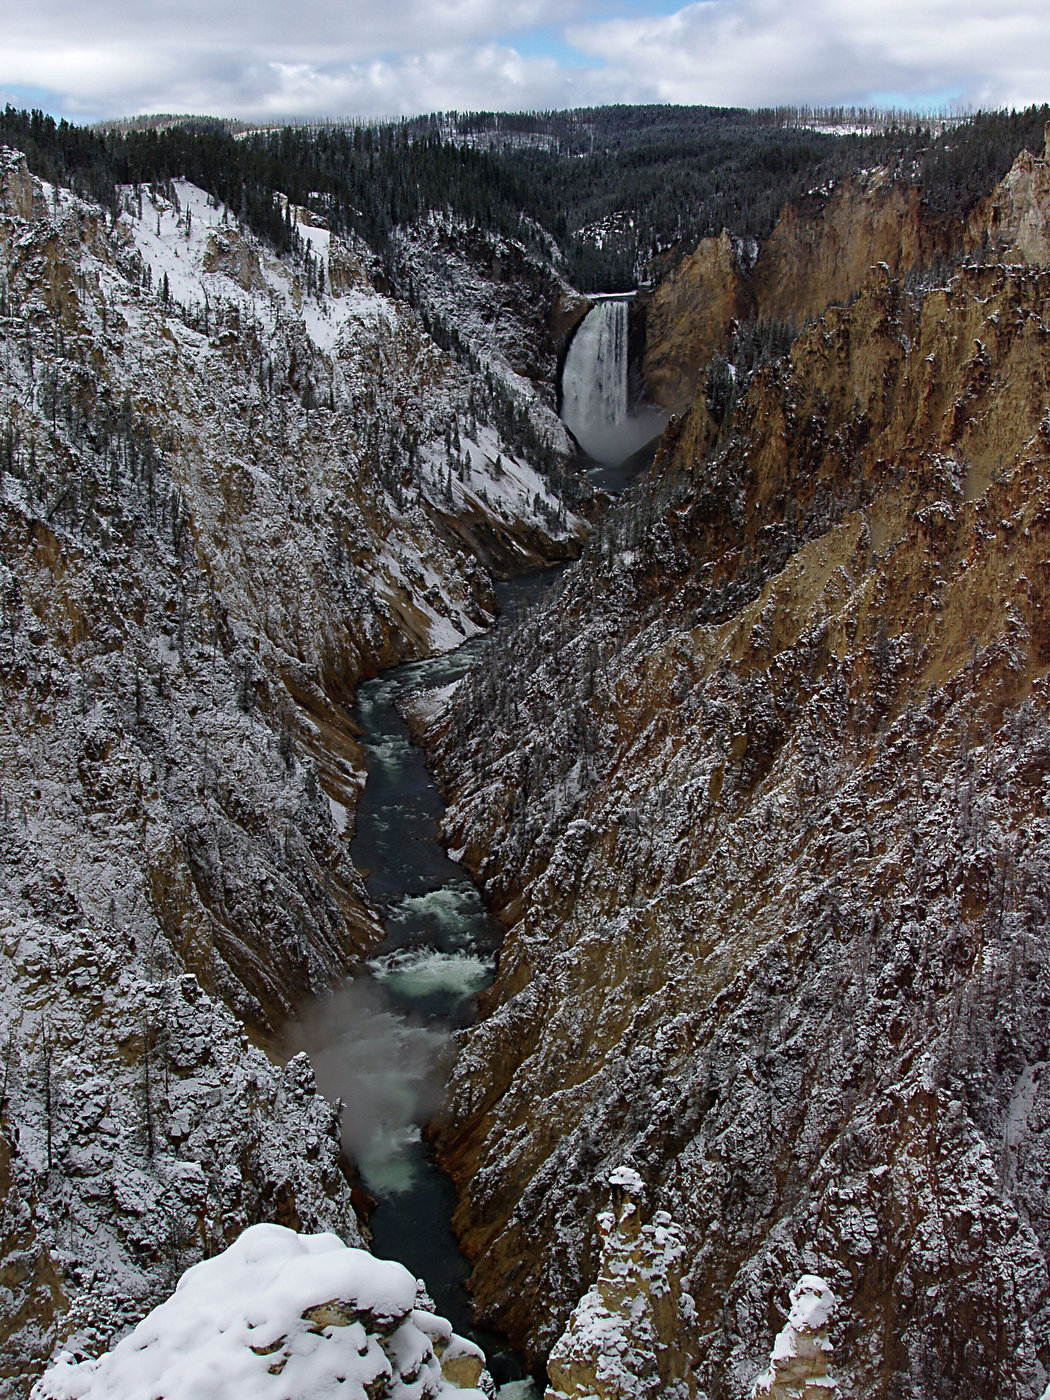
[756,788]
[224,502]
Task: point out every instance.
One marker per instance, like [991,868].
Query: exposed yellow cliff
[819,254]
[822,249]
[763,803]
[687,315]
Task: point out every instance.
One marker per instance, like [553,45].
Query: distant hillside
[611,188]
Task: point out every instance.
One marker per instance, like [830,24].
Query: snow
[627,1179]
[277,1314]
[181,241]
[812,1304]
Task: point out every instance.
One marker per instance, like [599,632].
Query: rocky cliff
[230,486]
[761,795]
[687,316]
[1013,223]
[819,254]
[503,300]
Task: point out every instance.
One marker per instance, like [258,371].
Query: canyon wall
[760,793]
[819,254]
[1013,223]
[687,316]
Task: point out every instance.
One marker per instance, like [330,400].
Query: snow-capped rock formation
[630,1334]
[230,486]
[799,1367]
[278,1314]
[760,791]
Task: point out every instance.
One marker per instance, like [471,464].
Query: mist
[612,443]
[387,1069]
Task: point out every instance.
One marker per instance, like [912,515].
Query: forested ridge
[614,187]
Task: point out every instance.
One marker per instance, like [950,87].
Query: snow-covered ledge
[281,1314]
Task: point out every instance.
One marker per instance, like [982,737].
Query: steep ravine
[224,499]
[382,1042]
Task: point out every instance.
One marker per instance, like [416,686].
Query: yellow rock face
[464,1371]
[819,254]
[823,249]
[687,316]
[228,252]
[745,899]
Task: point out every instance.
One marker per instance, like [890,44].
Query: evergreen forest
[621,192]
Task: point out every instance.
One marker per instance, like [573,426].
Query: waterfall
[594,389]
[594,381]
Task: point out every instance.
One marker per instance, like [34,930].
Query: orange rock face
[687,317]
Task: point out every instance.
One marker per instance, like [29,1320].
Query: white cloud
[352,32]
[264,58]
[752,52]
[481,77]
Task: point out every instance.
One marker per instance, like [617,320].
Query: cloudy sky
[259,59]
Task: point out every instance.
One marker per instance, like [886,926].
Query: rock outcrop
[1013,223]
[630,1335]
[277,1314]
[760,794]
[800,1366]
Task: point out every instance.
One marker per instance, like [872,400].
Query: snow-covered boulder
[799,1365]
[280,1314]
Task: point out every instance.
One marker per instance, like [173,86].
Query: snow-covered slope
[225,494]
[506,304]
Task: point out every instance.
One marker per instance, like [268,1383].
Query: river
[383,1041]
